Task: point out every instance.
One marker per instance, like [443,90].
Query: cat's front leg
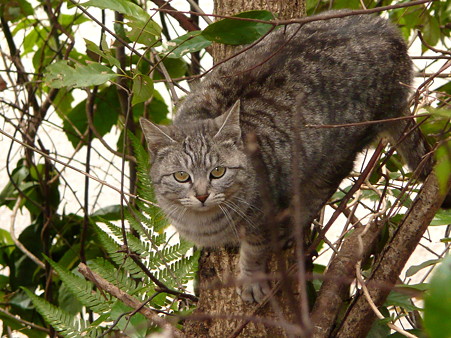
[252,264]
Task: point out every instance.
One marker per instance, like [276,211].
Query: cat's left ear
[157,136]
[229,124]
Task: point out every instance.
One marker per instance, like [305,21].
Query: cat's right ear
[157,136]
[229,124]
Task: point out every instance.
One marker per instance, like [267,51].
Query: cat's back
[334,63]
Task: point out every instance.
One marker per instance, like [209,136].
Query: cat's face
[198,166]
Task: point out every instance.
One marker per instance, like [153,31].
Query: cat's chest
[209,229]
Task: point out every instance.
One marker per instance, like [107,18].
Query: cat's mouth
[203,203]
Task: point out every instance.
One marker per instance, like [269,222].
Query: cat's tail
[411,144]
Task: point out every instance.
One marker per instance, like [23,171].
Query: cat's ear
[229,124]
[157,136]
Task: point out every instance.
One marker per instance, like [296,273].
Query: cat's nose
[202,198]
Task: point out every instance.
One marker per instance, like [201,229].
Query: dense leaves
[238,32]
[437,309]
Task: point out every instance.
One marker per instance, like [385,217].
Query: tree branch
[185,22]
[360,316]
[113,290]
[338,278]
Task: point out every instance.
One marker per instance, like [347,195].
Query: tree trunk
[282,9]
[220,311]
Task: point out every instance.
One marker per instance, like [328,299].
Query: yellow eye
[218,172]
[181,176]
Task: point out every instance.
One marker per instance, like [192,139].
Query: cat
[337,71]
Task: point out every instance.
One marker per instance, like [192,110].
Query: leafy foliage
[239,32]
[438,301]
[171,264]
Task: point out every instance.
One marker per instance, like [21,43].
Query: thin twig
[333,15]
[113,290]
[23,321]
[18,244]
[373,306]
[73,168]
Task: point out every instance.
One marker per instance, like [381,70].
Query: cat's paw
[254,291]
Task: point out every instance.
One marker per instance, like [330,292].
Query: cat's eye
[181,176]
[218,172]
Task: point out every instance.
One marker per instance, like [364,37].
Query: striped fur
[329,72]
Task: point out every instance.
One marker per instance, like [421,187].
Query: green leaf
[60,74]
[437,303]
[15,10]
[34,39]
[62,321]
[81,289]
[415,268]
[379,328]
[147,32]
[189,43]
[110,213]
[157,110]
[238,32]
[442,217]
[415,287]
[115,276]
[431,30]
[122,6]
[70,20]
[67,301]
[135,326]
[443,165]
[401,300]
[105,116]
[441,112]
[105,53]
[346,4]
[9,192]
[175,67]
[142,88]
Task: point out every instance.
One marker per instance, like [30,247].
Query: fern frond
[82,289]
[145,225]
[155,218]
[181,271]
[119,258]
[144,184]
[66,324]
[115,276]
[170,253]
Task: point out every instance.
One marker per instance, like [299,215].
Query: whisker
[242,200]
[229,219]
[241,213]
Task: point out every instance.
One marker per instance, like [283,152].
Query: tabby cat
[336,71]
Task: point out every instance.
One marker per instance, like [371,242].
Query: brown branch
[360,316]
[128,300]
[24,322]
[307,19]
[338,278]
[185,22]
[436,50]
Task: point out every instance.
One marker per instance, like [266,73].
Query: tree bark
[220,311]
[282,9]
